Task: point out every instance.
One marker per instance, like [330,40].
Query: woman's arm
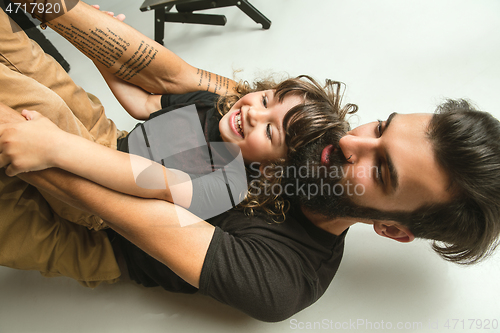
[130,55]
[52,147]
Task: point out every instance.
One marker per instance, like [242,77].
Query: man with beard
[273,270]
[450,197]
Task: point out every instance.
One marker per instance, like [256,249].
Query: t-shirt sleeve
[220,190]
[259,276]
[215,194]
[183,99]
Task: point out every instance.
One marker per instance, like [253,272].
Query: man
[130,216]
[437,176]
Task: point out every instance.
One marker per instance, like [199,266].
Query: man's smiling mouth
[326,153]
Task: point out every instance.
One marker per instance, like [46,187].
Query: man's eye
[380,131]
[379,173]
[269,131]
[379,128]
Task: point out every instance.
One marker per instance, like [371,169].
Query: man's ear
[393,230]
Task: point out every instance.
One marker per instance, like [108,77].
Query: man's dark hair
[466,143]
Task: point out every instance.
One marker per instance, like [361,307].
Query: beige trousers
[38,232]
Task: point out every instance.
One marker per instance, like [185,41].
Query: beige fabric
[35,228]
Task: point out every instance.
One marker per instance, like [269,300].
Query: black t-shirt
[205,106]
[268,270]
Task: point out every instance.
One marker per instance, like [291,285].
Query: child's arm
[154,226]
[107,167]
[135,100]
[130,55]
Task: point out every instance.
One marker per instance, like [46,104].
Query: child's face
[255,124]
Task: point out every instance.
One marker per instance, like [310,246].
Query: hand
[119,17]
[30,145]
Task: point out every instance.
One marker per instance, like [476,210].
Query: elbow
[272,315]
[273,311]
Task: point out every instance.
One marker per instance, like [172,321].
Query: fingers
[4,157]
[30,115]
[8,147]
[10,171]
[23,145]
[119,17]
[5,162]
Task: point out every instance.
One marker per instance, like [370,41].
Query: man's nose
[355,147]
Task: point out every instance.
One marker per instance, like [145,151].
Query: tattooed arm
[128,54]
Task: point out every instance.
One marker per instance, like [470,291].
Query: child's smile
[237,123]
[255,124]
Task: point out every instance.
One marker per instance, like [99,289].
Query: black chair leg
[185,13]
[254,14]
[160,23]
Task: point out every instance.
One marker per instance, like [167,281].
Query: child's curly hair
[320,112]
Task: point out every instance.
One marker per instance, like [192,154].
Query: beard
[319,187]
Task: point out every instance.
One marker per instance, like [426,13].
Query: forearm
[9,116]
[130,55]
[152,225]
[135,100]
[122,172]
[38,144]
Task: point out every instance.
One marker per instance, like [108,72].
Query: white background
[394,55]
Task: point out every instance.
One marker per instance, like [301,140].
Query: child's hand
[30,145]
[119,17]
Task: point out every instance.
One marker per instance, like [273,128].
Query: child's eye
[264,101]
[269,131]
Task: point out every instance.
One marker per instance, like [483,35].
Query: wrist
[60,150]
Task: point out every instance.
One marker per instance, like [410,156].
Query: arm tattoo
[220,83]
[108,48]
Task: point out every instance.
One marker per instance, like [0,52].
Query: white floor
[394,55]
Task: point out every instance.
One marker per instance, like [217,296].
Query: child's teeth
[238,121]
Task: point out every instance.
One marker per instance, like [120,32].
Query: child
[268,146]
[264,124]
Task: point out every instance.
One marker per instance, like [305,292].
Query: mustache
[337,157]
[325,193]
[311,153]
